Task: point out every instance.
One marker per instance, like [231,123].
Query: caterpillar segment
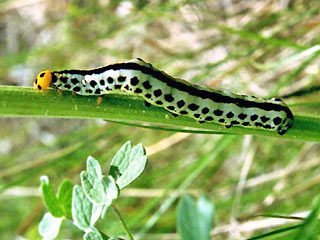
[175,95]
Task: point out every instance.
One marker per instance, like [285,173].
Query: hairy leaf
[84,213]
[195,218]
[49,226]
[128,164]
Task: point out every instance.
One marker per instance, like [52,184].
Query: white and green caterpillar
[177,96]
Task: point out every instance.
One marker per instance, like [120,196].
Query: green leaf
[49,226]
[94,235]
[128,164]
[92,183]
[84,213]
[50,199]
[93,167]
[309,229]
[99,189]
[195,218]
[65,196]
[112,193]
[118,163]
[93,188]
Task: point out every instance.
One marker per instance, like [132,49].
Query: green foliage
[248,47]
[84,213]
[92,199]
[98,188]
[128,164]
[49,226]
[310,227]
[65,197]
[308,230]
[50,198]
[195,218]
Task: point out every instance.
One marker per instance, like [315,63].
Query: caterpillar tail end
[287,124]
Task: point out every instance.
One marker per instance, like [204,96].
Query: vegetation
[85,204]
[262,185]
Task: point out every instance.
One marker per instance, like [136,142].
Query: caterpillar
[175,95]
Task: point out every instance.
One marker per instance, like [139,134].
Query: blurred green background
[264,48]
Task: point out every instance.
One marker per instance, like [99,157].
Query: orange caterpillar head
[43,80]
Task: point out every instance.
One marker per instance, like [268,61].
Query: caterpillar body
[175,95]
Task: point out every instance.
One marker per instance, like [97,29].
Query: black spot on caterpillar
[175,95]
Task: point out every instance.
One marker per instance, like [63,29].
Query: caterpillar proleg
[175,95]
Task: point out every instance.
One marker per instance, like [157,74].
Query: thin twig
[124,225]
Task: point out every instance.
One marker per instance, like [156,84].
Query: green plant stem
[25,102]
[124,225]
